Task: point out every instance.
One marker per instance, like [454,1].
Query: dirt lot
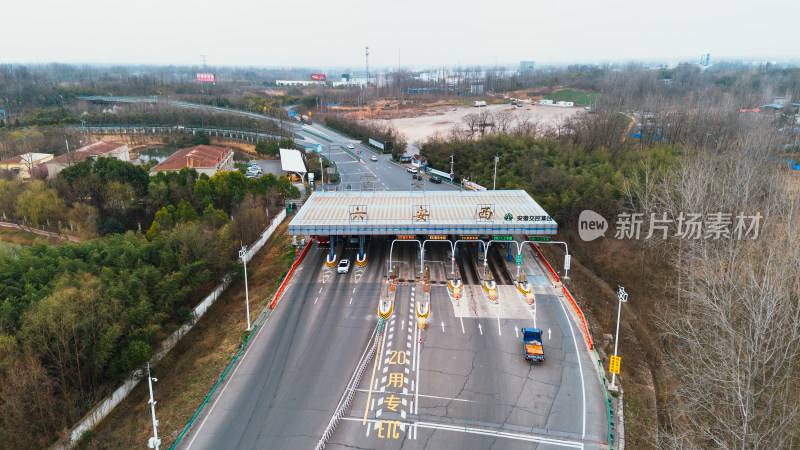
[441,119]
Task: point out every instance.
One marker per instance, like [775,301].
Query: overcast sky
[417,33]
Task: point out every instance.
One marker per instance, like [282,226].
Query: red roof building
[116,150]
[207,159]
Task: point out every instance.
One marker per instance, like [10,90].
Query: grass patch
[571,95]
[626,118]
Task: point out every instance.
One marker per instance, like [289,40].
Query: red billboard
[206,77]
[317,77]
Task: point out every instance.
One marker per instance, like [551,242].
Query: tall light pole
[243,255]
[494,183]
[154,441]
[623,298]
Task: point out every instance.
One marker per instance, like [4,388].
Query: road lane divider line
[486,432]
[580,365]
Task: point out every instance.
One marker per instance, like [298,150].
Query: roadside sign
[292,113]
[614,364]
[452,175]
[519,260]
[567,261]
[539,239]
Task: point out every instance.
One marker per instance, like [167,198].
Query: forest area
[75,319]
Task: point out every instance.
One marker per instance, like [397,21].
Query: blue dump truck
[532,341]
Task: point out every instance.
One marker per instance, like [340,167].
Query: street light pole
[623,298]
[154,441]
[494,184]
[243,255]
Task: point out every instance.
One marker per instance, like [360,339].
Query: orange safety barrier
[580,314]
[288,275]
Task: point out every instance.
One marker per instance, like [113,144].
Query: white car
[350,146]
[373,158]
[412,170]
[344,266]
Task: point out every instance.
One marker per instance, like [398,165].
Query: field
[571,95]
[439,120]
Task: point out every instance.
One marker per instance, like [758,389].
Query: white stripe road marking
[433,396]
[315,300]
[580,366]
[500,434]
[320,291]
[462,325]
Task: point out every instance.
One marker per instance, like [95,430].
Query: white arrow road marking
[480,328]
[443,326]
[516,331]
[548,334]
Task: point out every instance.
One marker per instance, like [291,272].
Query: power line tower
[203,57]
[367,56]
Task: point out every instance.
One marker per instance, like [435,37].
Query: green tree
[261,148]
[200,138]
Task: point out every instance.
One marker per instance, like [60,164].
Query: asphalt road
[382,174]
[281,392]
[467,385]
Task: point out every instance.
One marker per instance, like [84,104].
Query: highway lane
[467,383]
[281,391]
[387,174]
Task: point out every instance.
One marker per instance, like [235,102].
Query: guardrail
[580,314]
[170,129]
[346,401]
[288,276]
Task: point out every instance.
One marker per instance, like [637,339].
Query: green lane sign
[540,239]
[519,260]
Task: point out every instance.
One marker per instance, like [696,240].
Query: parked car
[344,266]
[373,158]
[436,180]
[412,170]
[416,177]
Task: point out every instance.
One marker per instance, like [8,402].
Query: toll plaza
[482,217]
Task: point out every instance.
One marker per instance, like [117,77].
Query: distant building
[23,165]
[207,159]
[116,150]
[526,66]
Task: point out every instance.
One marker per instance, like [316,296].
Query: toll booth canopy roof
[418,212]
